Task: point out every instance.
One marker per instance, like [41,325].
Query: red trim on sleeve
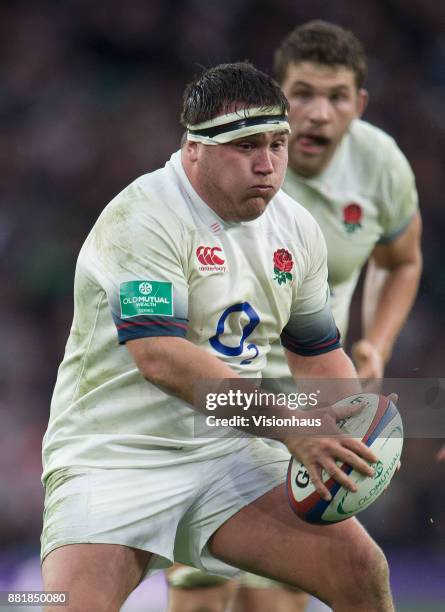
[161,323]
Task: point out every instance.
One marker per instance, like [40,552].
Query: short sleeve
[400,199]
[311,329]
[136,252]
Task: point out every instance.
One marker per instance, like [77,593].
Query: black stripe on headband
[236,125]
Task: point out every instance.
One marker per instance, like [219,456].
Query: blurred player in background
[356,182]
[171,269]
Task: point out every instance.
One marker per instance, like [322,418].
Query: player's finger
[393,397]
[339,475]
[358,448]
[315,476]
[357,463]
[343,412]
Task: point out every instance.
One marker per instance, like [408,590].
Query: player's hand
[441,454]
[369,363]
[319,453]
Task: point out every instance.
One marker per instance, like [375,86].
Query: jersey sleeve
[399,199]
[311,329]
[141,268]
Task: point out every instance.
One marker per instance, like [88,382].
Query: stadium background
[90,99]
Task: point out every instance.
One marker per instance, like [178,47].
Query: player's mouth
[312,144]
[262,189]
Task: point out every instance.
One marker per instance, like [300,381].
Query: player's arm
[176,365]
[315,357]
[391,284]
[332,365]
[321,452]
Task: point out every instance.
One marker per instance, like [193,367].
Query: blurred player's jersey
[366,196]
[160,262]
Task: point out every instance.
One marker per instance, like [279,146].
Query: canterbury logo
[208,257]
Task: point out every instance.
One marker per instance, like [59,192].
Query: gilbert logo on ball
[380,427]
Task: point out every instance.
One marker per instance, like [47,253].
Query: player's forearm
[334,364]
[387,301]
[334,372]
[177,365]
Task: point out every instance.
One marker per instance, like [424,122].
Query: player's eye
[339,97]
[277,145]
[302,94]
[245,145]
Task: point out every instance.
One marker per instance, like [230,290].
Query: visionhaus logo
[145,298]
[211,259]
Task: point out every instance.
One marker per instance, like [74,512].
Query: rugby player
[356,182]
[176,284]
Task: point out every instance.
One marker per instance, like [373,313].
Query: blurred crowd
[90,96]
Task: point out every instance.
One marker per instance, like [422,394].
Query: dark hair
[219,88]
[323,43]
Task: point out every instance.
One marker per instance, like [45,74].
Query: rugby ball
[380,427]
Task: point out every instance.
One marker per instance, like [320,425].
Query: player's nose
[319,110]
[263,161]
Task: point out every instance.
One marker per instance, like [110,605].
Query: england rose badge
[282,266]
[352,217]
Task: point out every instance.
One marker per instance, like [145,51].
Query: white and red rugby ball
[380,427]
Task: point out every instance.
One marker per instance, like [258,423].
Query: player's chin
[255,207]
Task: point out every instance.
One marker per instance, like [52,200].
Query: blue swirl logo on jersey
[234,351]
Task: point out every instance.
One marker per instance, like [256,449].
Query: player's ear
[191,150]
[362,101]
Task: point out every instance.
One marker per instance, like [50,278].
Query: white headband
[232,126]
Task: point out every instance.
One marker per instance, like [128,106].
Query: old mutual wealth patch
[142,297]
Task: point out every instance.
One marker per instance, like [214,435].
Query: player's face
[238,179]
[323,102]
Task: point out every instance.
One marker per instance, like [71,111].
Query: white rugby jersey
[366,196]
[160,262]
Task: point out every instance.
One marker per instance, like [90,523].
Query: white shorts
[171,510]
